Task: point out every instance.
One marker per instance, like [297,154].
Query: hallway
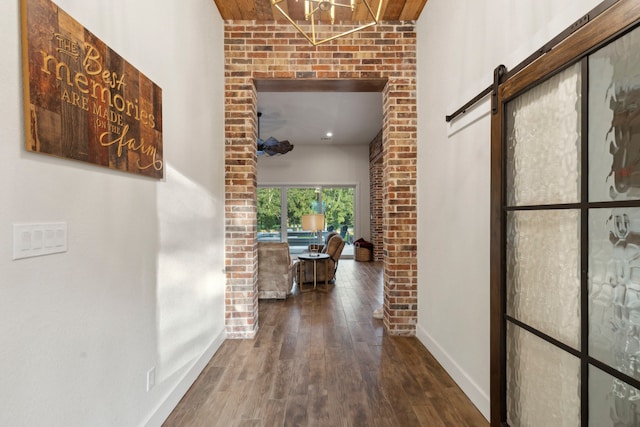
[321,359]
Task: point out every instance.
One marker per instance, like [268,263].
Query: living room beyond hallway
[321,359]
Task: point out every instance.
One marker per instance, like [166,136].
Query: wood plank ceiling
[263,10]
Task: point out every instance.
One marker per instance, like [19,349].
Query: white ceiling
[304,118]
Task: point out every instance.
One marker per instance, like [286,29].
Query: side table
[303,258]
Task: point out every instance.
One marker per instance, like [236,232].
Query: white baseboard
[477,396]
[168,405]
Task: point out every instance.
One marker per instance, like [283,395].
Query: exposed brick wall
[241,254]
[399,192]
[277,50]
[375,195]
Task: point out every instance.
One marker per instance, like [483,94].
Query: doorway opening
[397,186]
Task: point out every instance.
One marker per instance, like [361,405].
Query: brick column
[375,195]
[241,255]
[400,207]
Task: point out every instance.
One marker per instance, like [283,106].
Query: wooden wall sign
[82,100]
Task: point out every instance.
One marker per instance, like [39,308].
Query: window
[269,214]
[280,211]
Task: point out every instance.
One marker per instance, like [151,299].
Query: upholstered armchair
[321,248]
[275,270]
[333,248]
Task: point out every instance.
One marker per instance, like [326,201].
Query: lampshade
[313,222]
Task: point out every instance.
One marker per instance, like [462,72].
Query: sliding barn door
[543,253]
[566,233]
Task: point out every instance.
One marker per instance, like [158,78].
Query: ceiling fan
[272,147]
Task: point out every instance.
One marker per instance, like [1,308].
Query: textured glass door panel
[614,120]
[543,382]
[543,136]
[614,288]
[612,403]
[543,271]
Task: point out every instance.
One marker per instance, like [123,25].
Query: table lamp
[313,223]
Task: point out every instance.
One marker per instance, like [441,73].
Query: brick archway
[266,53]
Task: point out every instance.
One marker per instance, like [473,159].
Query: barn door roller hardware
[500,74]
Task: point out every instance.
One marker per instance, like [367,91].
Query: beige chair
[322,248]
[275,270]
[333,248]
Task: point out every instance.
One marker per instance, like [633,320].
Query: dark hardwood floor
[321,359]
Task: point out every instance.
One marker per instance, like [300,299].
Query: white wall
[459,45]
[141,284]
[311,165]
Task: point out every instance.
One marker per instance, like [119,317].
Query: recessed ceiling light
[329,134]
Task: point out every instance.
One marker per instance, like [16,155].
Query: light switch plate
[31,240]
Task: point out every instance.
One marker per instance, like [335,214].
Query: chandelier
[314,8]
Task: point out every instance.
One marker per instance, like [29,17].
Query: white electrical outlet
[151,378]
